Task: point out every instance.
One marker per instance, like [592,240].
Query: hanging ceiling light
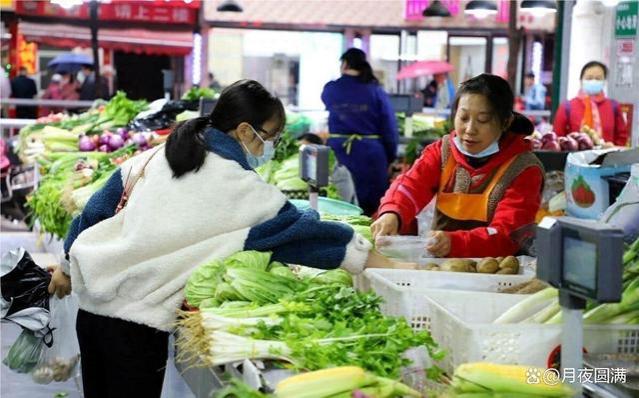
[436,9]
[229,6]
[481,8]
[539,8]
[610,3]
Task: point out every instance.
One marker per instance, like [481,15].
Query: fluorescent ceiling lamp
[539,8]
[229,6]
[481,9]
[436,9]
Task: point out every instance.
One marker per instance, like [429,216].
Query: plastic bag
[24,284]
[624,213]
[61,353]
[406,248]
[425,218]
[25,352]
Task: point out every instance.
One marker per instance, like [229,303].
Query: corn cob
[509,379]
[324,383]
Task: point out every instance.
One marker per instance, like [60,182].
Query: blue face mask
[491,150]
[592,87]
[267,152]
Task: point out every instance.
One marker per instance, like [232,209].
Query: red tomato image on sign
[582,193]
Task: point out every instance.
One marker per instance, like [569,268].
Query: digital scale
[314,170]
[583,259]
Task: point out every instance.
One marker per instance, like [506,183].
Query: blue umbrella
[69,62]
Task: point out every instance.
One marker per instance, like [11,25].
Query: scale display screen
[311,165]
[580,263]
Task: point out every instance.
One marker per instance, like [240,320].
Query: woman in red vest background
[487,181]
[592,108]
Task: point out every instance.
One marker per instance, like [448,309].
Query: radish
[568,144]
[86,144]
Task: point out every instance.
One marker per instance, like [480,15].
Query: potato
[488,265]
[499,260]
[510,262]
[429,267]
[506,271]
[457,265]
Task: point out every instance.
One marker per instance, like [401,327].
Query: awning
[139,41]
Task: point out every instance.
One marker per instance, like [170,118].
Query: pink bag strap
[130,184]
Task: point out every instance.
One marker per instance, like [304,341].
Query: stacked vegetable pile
[84,132]
[424,128]
[285,175]
[252,308]
[584,140]
[70,179]
[543,306]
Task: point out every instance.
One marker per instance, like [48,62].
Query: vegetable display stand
[204,382]
[462,323]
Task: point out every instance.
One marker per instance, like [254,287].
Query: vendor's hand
[60,284]
[377,260]
[386,224]
[440,246]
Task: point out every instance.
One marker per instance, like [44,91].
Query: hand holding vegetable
[386,224]
[440,246]
[60,284]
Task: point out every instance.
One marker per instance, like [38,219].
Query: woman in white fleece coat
[199,199]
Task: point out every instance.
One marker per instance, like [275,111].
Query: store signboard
[627,19]
[123,11]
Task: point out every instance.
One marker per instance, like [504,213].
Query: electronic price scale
[583,259]
[314,170]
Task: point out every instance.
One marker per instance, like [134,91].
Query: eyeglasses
[278,135]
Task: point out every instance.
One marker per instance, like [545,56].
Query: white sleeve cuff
[357,252]
[66,266]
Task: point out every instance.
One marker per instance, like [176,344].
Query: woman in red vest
[486,180]
[592,108]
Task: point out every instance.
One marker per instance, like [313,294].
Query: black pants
[120,358]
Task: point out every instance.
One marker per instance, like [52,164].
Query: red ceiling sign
[128,11]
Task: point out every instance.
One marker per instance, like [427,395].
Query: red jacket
[614,126]
[414,189]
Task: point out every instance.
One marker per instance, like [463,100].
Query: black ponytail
[185,148]
[356,60]
[243,101]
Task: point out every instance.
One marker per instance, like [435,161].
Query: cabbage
[203,282]
[249,259]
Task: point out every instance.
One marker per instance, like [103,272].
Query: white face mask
[267,152]
[490,150]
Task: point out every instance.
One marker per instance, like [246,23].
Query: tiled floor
[13,385]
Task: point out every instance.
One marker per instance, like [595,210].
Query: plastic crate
[461,322]
[408,282]
[403,290]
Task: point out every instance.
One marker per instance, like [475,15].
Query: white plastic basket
[403,290]
[461,322]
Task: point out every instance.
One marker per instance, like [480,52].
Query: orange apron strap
[465,206]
